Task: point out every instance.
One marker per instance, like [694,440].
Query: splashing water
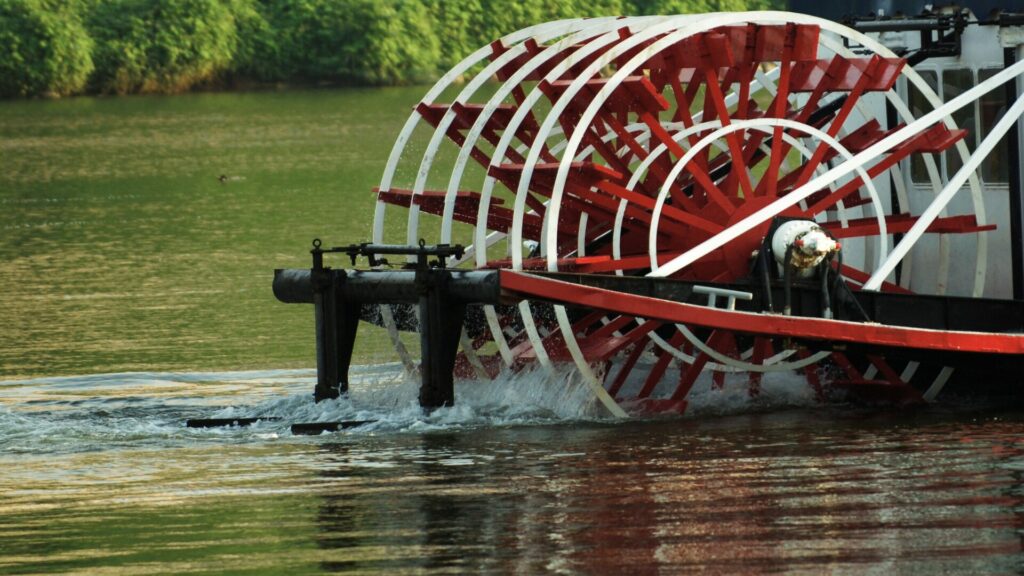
[94,412]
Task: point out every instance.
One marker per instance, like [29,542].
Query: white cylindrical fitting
[811,244]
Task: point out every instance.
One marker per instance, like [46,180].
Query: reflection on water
[498,484]
[764,494]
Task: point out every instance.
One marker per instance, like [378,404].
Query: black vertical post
[1016,192]
[440,327]
[337,308]
[347,322]
[336,323]
[325,305]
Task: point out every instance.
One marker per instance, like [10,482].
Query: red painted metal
[689,375]
[627,366]
[762,349]
[902,223]
[659,368]
[811,374]
[842,74]
[533,286]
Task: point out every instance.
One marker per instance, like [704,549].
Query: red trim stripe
[531,286]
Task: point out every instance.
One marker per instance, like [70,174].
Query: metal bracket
[371,252]
[949,29]
[338,295]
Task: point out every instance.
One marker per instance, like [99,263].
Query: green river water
[121,249]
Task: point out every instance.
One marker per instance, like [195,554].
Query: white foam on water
[146,409]
[26,432]
[105,411]
[778,390]
[391,403]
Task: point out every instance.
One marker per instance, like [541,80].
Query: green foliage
[128,46]
[504,17]
[44,49]
[258,54]
[703,6]
[458,26]
[398,45]
[585,8]
[160,45]
[354,41]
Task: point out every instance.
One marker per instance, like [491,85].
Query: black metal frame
[338,296]
[950,29]
[442,297]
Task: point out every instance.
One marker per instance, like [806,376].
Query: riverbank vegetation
[65,47]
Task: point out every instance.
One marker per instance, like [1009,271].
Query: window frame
[940,67]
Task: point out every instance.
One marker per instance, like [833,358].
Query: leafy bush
[458,26]
[160,45]
[703,6]
[504,17]
[128,46]
[44,47]
[258,54]
[355,41]
[398,46]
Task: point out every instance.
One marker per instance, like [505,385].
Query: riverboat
[667,202]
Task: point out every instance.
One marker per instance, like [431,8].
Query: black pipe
[396,286]
[346,321]
[841,283]
[901,25]
[766,278]
[787,280]
[295,286]
[891,121]
[856,302]
[336,321]
[838,277]
[441,319]
[826,303]
[321,286]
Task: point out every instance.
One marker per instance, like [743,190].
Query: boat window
[978,119]
[919,106]
[954,83]
[993,106]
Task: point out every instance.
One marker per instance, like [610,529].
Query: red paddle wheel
[700,199]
